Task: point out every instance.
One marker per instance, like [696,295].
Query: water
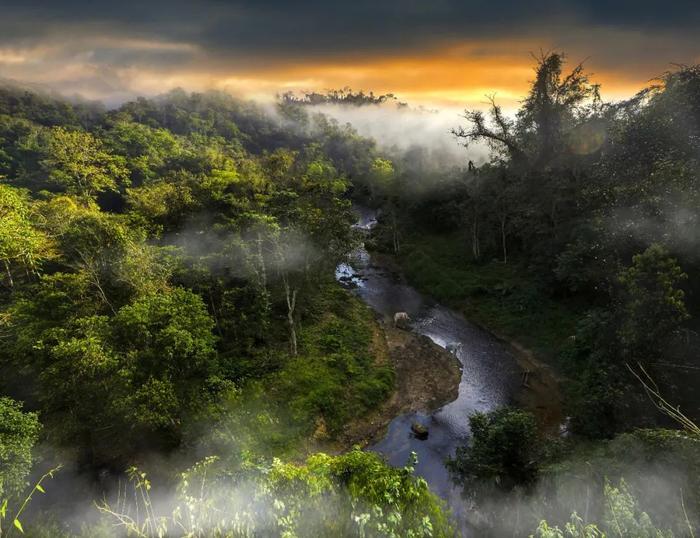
[490,375]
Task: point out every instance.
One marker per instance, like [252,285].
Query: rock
[420,431]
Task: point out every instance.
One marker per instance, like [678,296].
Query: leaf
[18,525]
[38,486]
[3,509]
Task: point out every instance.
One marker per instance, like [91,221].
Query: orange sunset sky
[440,53]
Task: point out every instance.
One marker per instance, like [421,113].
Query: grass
[503,297]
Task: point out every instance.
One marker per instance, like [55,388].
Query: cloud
[399,131]
[443,51]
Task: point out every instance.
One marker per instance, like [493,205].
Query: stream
[490,374]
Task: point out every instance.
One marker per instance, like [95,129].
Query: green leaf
[18,525]
[38,486]
[3,509]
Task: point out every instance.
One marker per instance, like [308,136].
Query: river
[490,374]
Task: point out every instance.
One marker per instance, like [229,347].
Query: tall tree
[19,431]
[22,244]
[77,163]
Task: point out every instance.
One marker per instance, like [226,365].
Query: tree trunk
[395,233]
[263,268]
[476,247]
[262,283]
[215,314]
[291,295]
[503,239]
[9,274]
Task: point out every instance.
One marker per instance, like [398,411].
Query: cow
[401,320]
[454,347]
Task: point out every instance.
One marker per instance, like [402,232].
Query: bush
[504,449]
[19,432]
[355,494]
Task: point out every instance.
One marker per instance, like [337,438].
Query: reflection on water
[490,374]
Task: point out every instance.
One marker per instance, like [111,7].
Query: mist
[400,129]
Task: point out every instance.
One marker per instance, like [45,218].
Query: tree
[503,449]
[535,171]
[117,383]
[556,103]
[289,256]
[651,302]
[21,242]
[19,432]
[147,151]
[499,135]
[163,203]
[77,163]
[170,335]
[109,250]
[383,182]
[381,176]
[647,308]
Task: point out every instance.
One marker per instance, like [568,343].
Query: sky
[436,52]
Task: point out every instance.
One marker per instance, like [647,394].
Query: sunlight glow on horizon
[455,76]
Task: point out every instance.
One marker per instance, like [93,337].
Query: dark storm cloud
[114,50]
[312,27]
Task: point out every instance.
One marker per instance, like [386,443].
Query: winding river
[490,374]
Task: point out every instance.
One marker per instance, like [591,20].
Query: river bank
[426,378]
[501,300]
[539,389]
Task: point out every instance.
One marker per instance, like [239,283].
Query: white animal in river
[454,347]
[401,319]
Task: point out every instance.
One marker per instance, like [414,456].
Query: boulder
[420,431]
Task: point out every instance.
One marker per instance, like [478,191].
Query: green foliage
[168,278]
[381,175]
[591,209]
[339,375]
[19,432]
[148,152]
[12,512]
[574,528]
[355,494]
[191,241]
[652,303]
[336,375]
[503,297]
[44,109]
[595,387]
[503,450]
[76,162]
[622,518]
[659,467]
[161,202]
[22,243]
[117,382]
[159,254]
[647,311]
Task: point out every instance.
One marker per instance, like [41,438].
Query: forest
[179,357]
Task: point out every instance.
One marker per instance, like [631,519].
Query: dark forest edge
[577,240]
[204,230]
